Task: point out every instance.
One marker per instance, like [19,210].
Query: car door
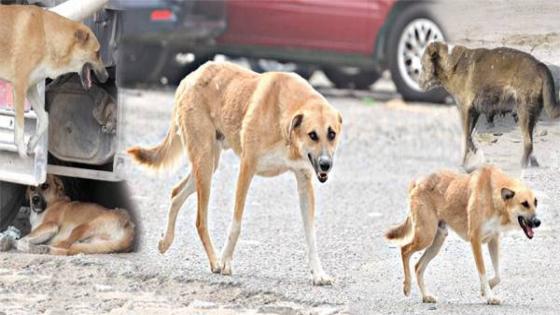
[347,26]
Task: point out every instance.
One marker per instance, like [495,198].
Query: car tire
[11,199]
[265,65]
[351,78]
[405,55]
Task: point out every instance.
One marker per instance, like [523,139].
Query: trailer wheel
[11,199]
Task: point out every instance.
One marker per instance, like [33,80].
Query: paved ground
[384,145]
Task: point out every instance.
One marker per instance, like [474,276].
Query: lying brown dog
[63,227]
[36,44]
[478,207]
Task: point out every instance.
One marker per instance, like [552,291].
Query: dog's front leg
[469,117]
[42,117]
[19,90]
[307,205]
[40,235]
[246,173]
[485,289]
[494,249]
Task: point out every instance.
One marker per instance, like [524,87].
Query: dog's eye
[525,204]
[313,136]
[32,188]
[535,202]
[45,186]
[331,135]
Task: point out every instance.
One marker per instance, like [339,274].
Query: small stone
[102,288]
[543,133]
[204,305]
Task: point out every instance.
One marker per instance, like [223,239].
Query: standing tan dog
[36,44]
[72,227]
[275,122]
[492,81]
[478,207]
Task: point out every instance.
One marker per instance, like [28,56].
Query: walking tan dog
[478,207]
[275,122]
[492,81]
[73,227]
[36,44]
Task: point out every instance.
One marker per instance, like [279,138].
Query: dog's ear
[81,36]
[455,56]
[434,50]
[507,194]
[59,185]
[295,122]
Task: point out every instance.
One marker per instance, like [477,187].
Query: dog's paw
[62,244]
[225,267]
[494,282]
[406,288]
[322,279]
[494,300]
[428,299]
[39,249]
[163,245]
[533,162]
[216,267]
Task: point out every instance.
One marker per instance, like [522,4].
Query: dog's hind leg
[202,147]
[307,206]
[79,233]
[494,249]
[246,173]
[428,255]
[527,123]
[42,117]
[425,230]
[179,194]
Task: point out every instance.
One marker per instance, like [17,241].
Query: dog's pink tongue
[530,232]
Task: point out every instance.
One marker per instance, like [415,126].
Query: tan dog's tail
[551,104]
[100,247]
[162,156]
[400,235]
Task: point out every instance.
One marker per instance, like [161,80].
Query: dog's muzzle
[85,75]
[528,225]
[37,204]
[322,165]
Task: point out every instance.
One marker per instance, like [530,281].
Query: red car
[352,41]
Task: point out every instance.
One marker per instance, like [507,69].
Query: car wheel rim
[414,39]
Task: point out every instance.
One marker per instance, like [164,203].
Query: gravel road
[384,145]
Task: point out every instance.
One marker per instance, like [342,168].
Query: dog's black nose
[536,222]
[324,164]
[35,200]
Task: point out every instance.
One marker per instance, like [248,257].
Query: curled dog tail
[162,156]
[400,235]
[99,247]
[550,101]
